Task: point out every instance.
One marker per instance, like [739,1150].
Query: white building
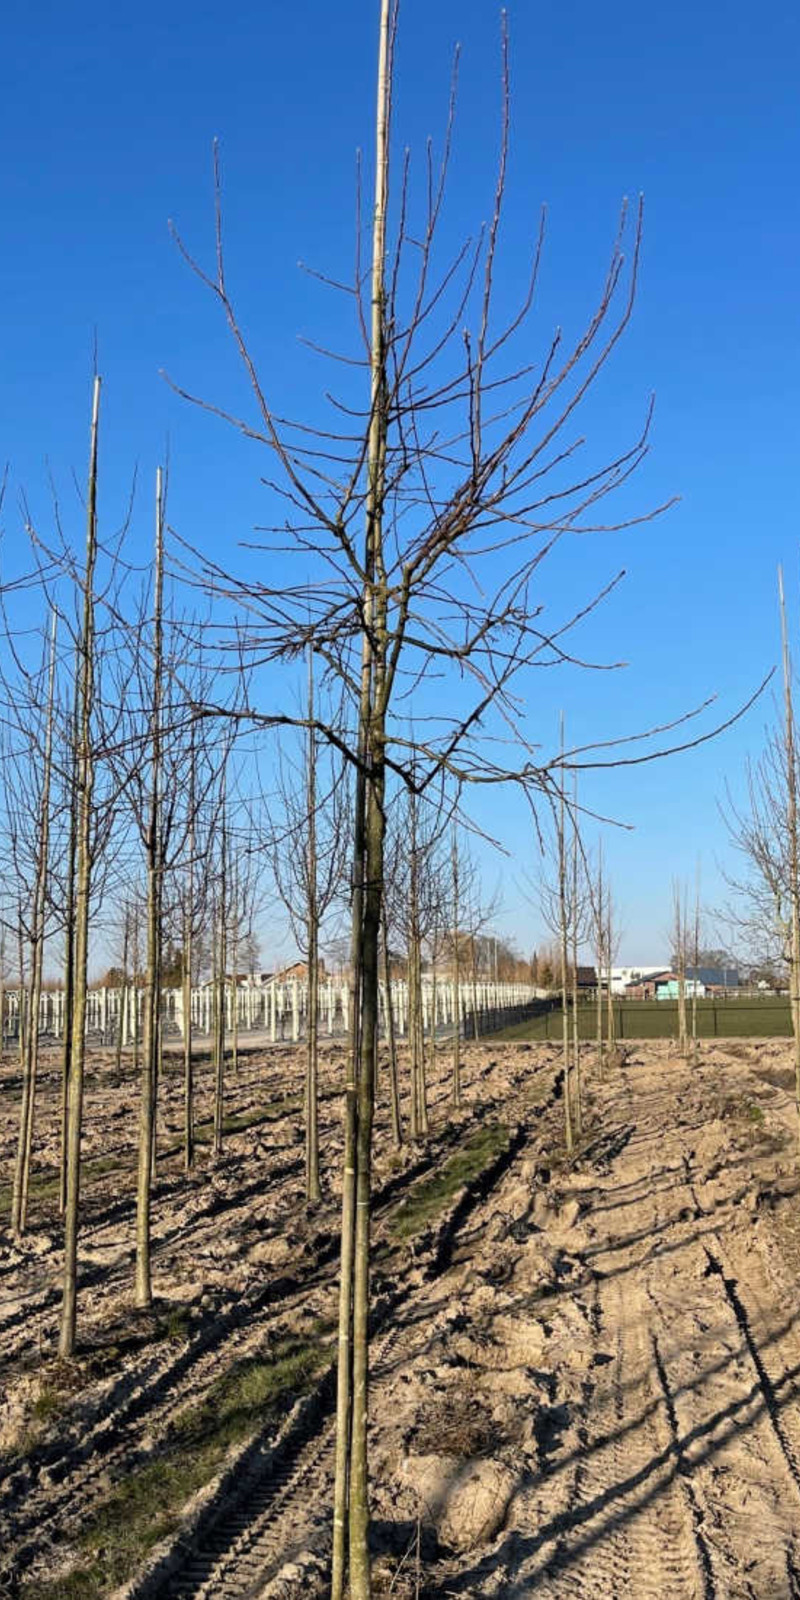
[622,976]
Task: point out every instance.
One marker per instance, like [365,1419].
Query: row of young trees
[143,820]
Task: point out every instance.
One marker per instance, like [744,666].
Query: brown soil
[585,1373]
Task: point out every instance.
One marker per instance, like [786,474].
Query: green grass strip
[431,1195]
[146,1506]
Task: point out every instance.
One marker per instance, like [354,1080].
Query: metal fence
[767,1017]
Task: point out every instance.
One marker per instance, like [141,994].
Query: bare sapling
[696,965]
[154,866]
[456,970]
[19,1208]
[563,946]
[680,945]
[84,778]
[793,843]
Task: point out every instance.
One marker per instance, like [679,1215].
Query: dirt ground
[586,1372]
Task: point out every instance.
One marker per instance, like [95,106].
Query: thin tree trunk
[221,956]
[564,949]
[85,782]
[793,843]
[23,1170]
[611,1032]
[394,1092]
[313,1191]
[69,936]
[600,956]
[188,941]
[149,1079]
[696,963]
[680,950]
[456,978]
[123,993]
[576,1045]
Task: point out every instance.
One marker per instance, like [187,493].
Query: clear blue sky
[106,123]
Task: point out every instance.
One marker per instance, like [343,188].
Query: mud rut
[669,1459]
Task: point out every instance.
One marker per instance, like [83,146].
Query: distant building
[622,977]
[715,980]
[647,986]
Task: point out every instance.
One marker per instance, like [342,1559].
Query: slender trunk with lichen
[153,846]
[84,777]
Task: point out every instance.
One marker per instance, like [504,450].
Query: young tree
[460,461]
[84,785]
[308,854]
[19,1207]
[680,960]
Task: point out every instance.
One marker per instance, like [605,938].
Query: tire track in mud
[614,1521]
[723,1374]
[113,1444]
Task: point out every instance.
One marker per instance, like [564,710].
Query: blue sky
[106,123]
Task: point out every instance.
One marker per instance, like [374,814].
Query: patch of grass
[174,1325]
[249,1119]
[740,1108]
[431,1195]
[147,1505]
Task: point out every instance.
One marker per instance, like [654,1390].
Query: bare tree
[19,1207]
[308,854]
[680,955]
[460,459]
[84,784]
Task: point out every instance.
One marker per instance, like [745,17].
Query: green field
[658,1019]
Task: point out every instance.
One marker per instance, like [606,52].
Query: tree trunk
[188,942]
[563,928]
[456,979]
[69,936]
[352,1489]
[793,844]
[219,988]
[85,784]
[23,1168]
[394,1092]
[576,1044]
[123,994]
[149,1079]
[313,1191]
